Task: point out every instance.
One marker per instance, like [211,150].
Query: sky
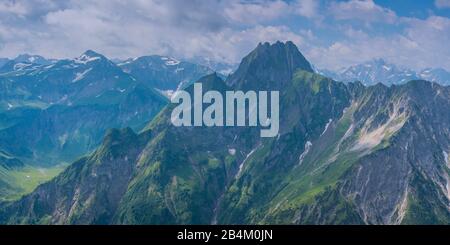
[331,34]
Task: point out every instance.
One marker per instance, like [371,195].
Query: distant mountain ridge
[161,72]
[23,62]
[35,59]
[223,68]
[379,71]
[164,73]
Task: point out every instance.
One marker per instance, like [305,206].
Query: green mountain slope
[346,154]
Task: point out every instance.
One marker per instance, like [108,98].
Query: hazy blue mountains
[379,71]
[53,112]
[164,73]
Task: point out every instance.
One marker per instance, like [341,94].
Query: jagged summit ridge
[269,66]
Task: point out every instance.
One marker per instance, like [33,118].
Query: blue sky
[331,34]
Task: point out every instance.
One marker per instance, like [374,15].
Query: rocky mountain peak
[269,66]
[35,59]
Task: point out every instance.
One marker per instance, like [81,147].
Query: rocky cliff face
[346,154]
[407,180]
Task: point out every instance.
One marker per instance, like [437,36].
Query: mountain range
[54,111]
[379,71]
[345,154]
[163,73]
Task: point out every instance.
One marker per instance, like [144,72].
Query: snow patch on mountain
[21,66]
[80,75]
[308,145]
[84,59]
[446,158]
[34,59]
[241,166]
[326,126]
[170,61]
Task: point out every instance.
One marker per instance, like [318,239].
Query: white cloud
[330,34]
[355,34]
[256,12]
[12,7]
[307,8]
[116,28]
[442,4]
[365,11]
[264,11]
[134,28]
[424,43]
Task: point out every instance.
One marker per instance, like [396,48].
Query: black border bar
[169,233]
